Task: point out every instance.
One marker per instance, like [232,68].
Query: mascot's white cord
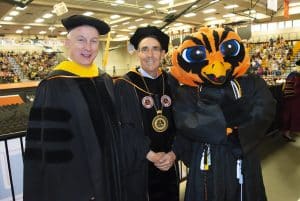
[239,175]
[236,89]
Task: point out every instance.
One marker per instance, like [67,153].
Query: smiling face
[150,55]
[83,45]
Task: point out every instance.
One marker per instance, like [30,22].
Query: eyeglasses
[154,50]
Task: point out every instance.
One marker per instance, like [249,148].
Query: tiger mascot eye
[220,113]
[210,56]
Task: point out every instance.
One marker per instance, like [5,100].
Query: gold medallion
[160,122]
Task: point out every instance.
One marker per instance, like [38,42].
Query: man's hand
[154,157]
[166,161]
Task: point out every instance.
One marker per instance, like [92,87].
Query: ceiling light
[229,15]
[0,26]
[8,18]
[42,32]
[190,15]
[63,33]
[148,12]
[231,6]
[149,6]
[260,16]
[88,13]
[143,25]
[165,1]
[132,27]
[178,24]
[214,1]
[51,28]
[209,18]
[113,26]
[48,15]
[20,8]
[14,13]
[140,19]
[39,20]
[157,21]
[19,31]
[172,11]
[112,32]
[194,6]
[26,27]
[113,17]
[124,23]
[211,10]
[248,12]
[120,1]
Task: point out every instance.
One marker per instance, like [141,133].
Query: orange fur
[215,58]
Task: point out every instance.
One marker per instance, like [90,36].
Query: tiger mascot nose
[217,70]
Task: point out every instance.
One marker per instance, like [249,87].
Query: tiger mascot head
[210,56]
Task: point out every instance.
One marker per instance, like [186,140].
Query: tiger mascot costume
[222,114]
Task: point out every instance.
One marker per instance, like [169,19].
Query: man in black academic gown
[70,144]
[147,130]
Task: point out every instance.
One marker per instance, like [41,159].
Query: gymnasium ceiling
[132,14]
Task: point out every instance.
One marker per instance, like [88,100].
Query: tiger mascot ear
[210,56]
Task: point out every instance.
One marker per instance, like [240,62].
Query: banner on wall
[286,8]
[272,5]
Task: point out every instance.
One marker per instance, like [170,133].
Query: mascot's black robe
[142,180]
[70,145]
[203,122]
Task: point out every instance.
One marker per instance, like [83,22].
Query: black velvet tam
[298,62]
[80,20]
[150,31]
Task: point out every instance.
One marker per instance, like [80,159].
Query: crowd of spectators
[27,65]
[271,58]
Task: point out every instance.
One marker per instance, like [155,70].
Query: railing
[183,171]
[5,138]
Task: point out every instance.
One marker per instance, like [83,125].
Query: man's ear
[163,54]
[67,43]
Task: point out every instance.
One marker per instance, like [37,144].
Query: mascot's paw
[236,112]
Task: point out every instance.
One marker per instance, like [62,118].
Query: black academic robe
[204,123]
[70,149]
[142,180]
